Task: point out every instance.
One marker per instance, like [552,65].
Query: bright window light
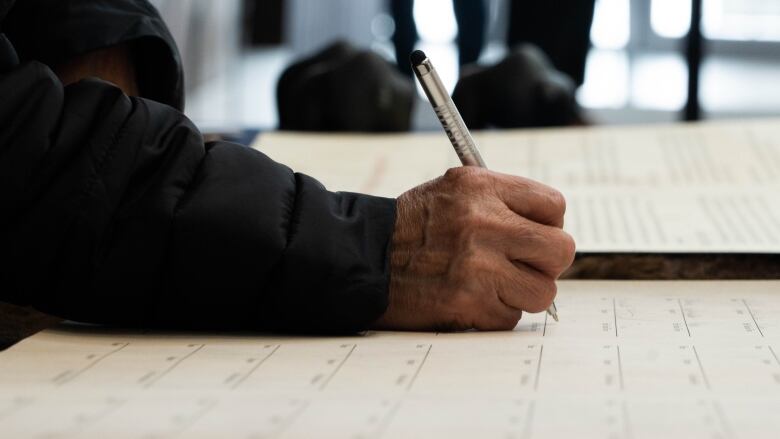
[611,27]
[741,20]
[606,80]
[435,21]
[670,18]
[659,82]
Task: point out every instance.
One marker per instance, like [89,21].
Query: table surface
[17,323]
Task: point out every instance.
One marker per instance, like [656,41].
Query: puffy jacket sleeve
[114,211]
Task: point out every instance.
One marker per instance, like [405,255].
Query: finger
[525,288]
[497,316]
[531,199]
[546,248]
[480,301]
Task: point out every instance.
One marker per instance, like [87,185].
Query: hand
[474,249]
[113,64]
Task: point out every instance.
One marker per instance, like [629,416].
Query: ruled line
[387,419]
[685,320]
[538,368]
[753,317]
[256,366]
[332,374]
[774,355]
[172,366]
[69,378]
[614,313]
[701,368]
[290,420]
[723,420]
[419,368]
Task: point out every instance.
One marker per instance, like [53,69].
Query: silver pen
[450,119]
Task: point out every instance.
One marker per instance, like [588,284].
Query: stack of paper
[710,187]
[628,360]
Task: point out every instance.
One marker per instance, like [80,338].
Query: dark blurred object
[675,266]
[68,29]
[694,52]
[560,28]
[523,90]
[17,322]
[263,22]
[470,15]
[342,88]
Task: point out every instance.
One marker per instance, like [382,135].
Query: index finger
[530,199]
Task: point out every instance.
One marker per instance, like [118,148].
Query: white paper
[627,360]
[709,187]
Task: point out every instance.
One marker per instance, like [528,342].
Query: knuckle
[564,249]
[543,295]
[557,201]
[569,250]
[520,184]
[532,235]
[457,173]
[465,175]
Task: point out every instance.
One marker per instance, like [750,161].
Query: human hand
[113,64]
[474,249]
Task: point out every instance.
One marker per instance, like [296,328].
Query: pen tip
[553,311]
[417,57]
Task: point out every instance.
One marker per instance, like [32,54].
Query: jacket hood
[51,31]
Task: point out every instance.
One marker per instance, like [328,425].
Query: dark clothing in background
[344,88]
[560,28]
[114,211]
[470,16]
[523,90]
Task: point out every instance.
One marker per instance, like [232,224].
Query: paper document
[630,360]
[709,187]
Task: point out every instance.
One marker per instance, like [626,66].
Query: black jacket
[114,211]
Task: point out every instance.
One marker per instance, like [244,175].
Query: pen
[450,119]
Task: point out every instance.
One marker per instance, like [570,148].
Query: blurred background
[636,70]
